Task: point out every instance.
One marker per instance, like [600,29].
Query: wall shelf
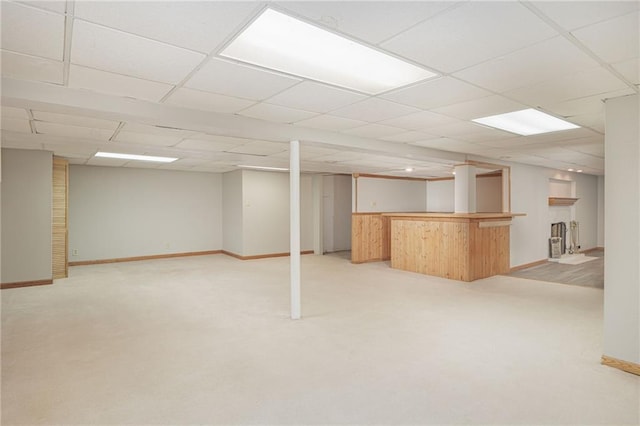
[562,201]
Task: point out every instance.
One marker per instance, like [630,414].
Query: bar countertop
[455,215]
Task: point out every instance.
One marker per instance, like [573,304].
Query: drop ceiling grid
[443,104]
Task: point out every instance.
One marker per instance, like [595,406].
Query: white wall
[622,223]
[26,215]
[440,196]
[265,213]
[601,201]
[117,212]
[391,195]
[488,194]
[337,213]
[586,209]
[529,194]
[232,229]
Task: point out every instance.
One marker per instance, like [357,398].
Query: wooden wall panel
[370,237]
[59,214]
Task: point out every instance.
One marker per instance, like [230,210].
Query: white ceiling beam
[53,98]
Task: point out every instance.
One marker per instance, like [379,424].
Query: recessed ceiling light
[526,122]
[135,157]
[408,169]
[282,43]
[276,169]
[569,170]
[579,171]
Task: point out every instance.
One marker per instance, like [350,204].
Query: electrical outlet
[74,252]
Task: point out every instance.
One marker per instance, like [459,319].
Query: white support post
[294,205]
[465,189]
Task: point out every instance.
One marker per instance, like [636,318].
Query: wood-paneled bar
[460,246]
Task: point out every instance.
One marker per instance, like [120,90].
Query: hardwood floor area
[589,274]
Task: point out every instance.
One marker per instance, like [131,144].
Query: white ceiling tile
[587,105]
[406,137]
[116,84]
[470,34]
[158,130]
[32,31]
[629,69]
[198,25]
[593,121]
[212,143]
[207,101]
[11,112]
[574,14]
[307,152]
[614,40]
[112,162]
[481,107]
[259,148]
[14,140]
[382,19]
[76,120]
[142,165]
[446,144]
[540,62]
[422,120]
[119,52]
[436,93]
[311,96]
[26,67]
[72,131]
[466,130]
[340,156]
[15,125]
[232,79]
[330,122]
[596,149]
[213,169]
[562,88]
[147,139]
[70,149]
[187,163]
[374,131]
[52,5]
[373,110]
[276,113]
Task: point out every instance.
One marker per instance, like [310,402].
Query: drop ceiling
[148,78]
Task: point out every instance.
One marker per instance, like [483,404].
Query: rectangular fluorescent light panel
[276,169]
[135,157]
[279,42]
[526,122]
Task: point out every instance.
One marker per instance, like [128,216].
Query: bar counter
[459,246]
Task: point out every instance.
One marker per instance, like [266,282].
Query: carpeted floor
[207,340]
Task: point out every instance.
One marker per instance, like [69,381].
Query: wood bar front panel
[490,253]
[439,248]
[370,236]
[453,248]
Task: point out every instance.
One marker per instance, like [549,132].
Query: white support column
[506,190]
[465,189]
[294,223]
[318,210]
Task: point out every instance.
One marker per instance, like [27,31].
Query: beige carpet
[207,340]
